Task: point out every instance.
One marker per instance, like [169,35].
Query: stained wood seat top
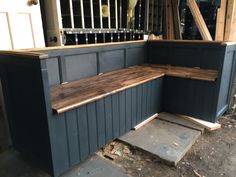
[83,91]
[77,93]
[186,72]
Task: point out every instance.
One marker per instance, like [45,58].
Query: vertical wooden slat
[59,143]
[149,113]
[128,109]
[220,23]
[101,122]
[144,101]
[122,112]
[134,107]
[139,104]
[115,115]
[230,28]
[108,119]
[202,27]
[83,132]
[92,127]
[72,132]
[176,20]
[170,21]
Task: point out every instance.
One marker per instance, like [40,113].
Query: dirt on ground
[213,155]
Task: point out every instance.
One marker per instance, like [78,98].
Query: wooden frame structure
[58,140]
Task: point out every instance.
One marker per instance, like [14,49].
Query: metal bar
[104,37]
[111,37]
[139,15]
[76,39]
[100,9]
[127,16]
[147,15]
[91,11]
[116,12]
[71,14]
[120,13]
[95,38]
[109,14]
[82,12]
[118,37]
[86,38]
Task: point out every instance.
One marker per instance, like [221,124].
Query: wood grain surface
[77,93]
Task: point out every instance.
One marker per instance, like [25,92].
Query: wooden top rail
[77,93]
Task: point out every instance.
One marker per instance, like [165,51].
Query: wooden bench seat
[186,72]
[77,93]
[74,94]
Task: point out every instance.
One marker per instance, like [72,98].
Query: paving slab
[168,141]
[96,166]
[180,121]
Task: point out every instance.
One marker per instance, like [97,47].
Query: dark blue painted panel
[53,71]
[108,118]
[83,135]
[115,115]
[72,137]
[122,107]
[139,103]
[101,122]
[135,56]
[92,127]
[128,109]
[80,66]
[111,60]
[134,107]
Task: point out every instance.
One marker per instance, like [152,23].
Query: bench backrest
[69,64]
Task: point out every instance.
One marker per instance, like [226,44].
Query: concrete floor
[12,164]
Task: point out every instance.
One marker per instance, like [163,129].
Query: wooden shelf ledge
[77,93]
[186,72]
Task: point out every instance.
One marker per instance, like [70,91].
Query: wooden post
[220,23]
[230,31]
[202,27]
[176,19]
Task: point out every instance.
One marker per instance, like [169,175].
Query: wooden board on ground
[202,27]
[207,125]
[180,121]
[145,122]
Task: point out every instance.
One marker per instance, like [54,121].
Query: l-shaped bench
[64,103]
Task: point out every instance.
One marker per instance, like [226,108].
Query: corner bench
[64,103]
[77,93]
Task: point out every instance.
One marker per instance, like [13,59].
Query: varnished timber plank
[220,22]
[230,21]
[176,19]
[202,27]
[77,93]
[185,72]
[84,46]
